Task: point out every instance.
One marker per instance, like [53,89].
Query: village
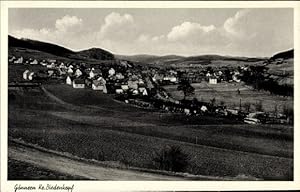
[142,86]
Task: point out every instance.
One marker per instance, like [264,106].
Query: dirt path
[77,168]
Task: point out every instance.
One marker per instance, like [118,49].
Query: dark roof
[78,81]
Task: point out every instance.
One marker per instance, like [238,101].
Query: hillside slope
[90,54]
[284,55]
[181,61]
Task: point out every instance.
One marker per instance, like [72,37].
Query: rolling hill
[181,61]
[284,55]
[49,48]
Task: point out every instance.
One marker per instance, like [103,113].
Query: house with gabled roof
[133,84]
[125,87]
[25,74]
[213,80]
[111,71]
[19,60]
[78,83]
[34,62]
[78,73]
[30,76]
[13,58]
[98,85]
[69,80]
[51,65]
[70,70]
[119,90]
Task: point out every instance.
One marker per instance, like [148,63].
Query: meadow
[93,125]
[227,93]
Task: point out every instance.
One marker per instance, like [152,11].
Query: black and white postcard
[113,92]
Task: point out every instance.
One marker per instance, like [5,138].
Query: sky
[159,31]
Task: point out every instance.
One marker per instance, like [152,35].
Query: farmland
[93,125]
[228,93]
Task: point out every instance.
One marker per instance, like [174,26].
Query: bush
[247,106]
[171,158]
[288,112]
[258,106]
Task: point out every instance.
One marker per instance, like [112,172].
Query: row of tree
[255,77]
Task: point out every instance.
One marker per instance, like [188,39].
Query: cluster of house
[211,76]
[109,81]
[21,60]
[165,77]
[124,80]
[118,80]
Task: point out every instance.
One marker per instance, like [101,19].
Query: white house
[30,76]
[111,72]
[104,89]
[92,74]
[19,60]
[141,82]
[187,111]
[120,76]
[203,108]
[62,65]
[78,73]
[51,65]
[34,62]
[213,80]
[98,85]
[135,92]
[133,84]
[25,74]
[236,78]
[12,59]
[62,71]
[124,87]
[78,83]
[208,74]
[102,80]
[43,63]
[142,89]
[69,80]
[50,72]
[51,60]
[119,90]
[70,70]
[157,77]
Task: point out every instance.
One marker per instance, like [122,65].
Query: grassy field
[97,127]
[18,170]
[227,93]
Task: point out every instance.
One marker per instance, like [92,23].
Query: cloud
[189,31]
[68,23]
[67,31]
[233,24]
[118,27]
[247,32]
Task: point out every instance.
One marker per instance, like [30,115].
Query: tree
[171,158]
[258,106]
[288,112]
[213,102]
[276,110]
[186,88]
[247,106]
[222,103]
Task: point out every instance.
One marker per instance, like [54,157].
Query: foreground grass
[131,136]
[18,170]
